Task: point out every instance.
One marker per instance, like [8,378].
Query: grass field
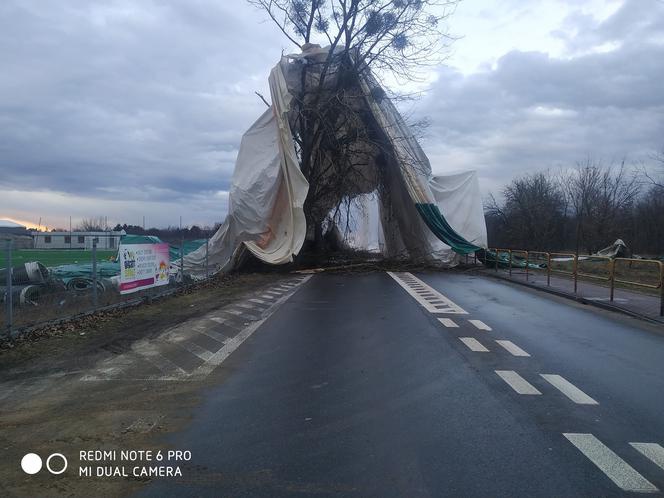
[54,257]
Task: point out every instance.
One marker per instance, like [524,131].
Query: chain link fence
[38,287]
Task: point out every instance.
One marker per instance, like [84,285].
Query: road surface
[431,385]
[374,384]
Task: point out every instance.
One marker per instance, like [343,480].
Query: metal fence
[631,273]
[34,293]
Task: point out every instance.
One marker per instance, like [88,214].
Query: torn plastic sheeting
[268,190]
[458,196]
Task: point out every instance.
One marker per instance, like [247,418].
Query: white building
[77,240]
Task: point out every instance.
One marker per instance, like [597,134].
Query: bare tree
[532,215]
[657,182]
[341,152]
[580,186]
[97,224]
[601,198]
[649,222]
[399,36]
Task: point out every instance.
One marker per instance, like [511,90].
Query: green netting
[107,269]
[140,239]
[104,269]
[502,260]
[173,249]
[188,246]
[442,229]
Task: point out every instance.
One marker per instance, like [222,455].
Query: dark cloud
[532,111]
[124,108]
[118,99]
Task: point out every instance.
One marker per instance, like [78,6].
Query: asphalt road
[380,385]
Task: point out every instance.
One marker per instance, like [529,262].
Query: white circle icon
[48,464]
[31,463]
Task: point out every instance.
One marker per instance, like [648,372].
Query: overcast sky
[128,109]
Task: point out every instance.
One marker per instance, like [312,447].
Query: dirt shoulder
[46,409]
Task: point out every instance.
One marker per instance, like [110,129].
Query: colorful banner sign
[143,266]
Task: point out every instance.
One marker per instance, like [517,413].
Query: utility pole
[181,253]
[9,290]
[94,272]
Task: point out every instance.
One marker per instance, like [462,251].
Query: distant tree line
[170,234]
[581,210]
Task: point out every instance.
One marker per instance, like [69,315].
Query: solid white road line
[448,322]
[516,382]
[233,343]
[415,287]
[569,389]
[652,451]
[473,344]
[513,348]
[480,324]
[616,469]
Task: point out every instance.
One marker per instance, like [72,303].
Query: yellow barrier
[609,277]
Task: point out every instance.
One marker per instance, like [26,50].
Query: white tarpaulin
[267,193]
[411,217]
[458,197]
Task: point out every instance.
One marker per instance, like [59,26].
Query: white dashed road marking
[616,469]
[432,300]
[448,322]
[516,382]
[513,348]
[569,389]
[652,451]
[196,350]
[185,344]
[213,334]
[480,325]
[474,344]
[231,345]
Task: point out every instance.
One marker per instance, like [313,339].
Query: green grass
[54,257]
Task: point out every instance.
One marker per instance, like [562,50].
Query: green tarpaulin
[442,229]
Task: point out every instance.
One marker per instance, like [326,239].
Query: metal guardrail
[609,277]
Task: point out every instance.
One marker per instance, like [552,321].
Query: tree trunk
[319,243]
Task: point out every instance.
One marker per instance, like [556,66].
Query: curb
[578,299]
